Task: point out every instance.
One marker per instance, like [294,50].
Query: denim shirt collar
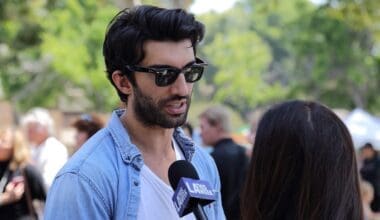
[130,154]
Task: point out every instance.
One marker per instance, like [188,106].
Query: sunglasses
[86,117]
[166,75]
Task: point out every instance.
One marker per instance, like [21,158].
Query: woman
[86,126]
[303,167]
[20,183]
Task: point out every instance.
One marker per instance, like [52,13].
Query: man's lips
[176,107]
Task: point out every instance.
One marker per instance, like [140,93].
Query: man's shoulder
[202,153]
[96,157]
[203,161]
[229,150]
[233,146]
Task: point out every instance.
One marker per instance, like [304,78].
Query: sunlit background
[259,53]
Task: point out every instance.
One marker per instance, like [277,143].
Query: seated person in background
[20,182]
[86,126]
[303,166]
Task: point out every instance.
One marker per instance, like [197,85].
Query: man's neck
[222,136]
[150,139]
[155,144]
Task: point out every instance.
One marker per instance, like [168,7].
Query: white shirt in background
[49,158]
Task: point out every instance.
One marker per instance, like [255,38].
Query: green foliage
[52,51]
[243,53]
[334,60]
[259,52]
[76,47]
[239,79]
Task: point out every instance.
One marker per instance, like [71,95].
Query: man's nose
[180,87]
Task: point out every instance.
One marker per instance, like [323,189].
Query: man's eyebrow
[158,66]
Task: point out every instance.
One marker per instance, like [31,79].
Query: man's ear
[122,82]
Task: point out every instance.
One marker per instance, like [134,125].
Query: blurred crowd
[31,155]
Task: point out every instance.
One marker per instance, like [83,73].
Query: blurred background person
[48,153]
[86,126]
[188,129]
[230,158]
[252,132]
[251,136]
[303,166]
[20,182]
[370,171]
[367,194]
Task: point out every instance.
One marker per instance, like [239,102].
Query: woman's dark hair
[89,123]
[132,27]
[303,166]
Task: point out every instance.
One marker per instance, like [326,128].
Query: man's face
[5,145]
[80,138]
[36,133]
[209,133]
[166,106]
[367,153]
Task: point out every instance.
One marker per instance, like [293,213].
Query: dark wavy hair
[131,27]
[89,123]
[303,167]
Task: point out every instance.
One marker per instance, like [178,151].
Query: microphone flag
[191,192]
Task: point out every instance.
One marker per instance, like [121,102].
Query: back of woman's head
[303,166]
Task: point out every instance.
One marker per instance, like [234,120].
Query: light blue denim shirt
[102,179]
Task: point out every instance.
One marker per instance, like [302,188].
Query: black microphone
[191,194]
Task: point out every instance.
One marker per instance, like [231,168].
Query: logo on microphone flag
[189,192]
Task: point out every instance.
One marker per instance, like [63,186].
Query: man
[370,171]
[230,158]
[48,153]
[121,172]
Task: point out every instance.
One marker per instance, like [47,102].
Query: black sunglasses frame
[167,76]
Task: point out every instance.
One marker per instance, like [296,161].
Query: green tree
[75,48]
[249,58]
[51,52]
[23,66]
[328,52]
[334,59]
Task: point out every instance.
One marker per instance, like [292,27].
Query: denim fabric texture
[102,179]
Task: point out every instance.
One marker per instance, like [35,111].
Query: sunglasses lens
[166,77]
[193,73]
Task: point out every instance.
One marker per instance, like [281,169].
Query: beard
[151,113]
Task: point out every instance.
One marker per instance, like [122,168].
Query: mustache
[163,102]
[175,98]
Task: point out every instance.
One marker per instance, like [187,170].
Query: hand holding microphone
[191,194]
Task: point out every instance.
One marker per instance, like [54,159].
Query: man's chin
[173,123]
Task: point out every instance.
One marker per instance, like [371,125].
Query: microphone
[191,194]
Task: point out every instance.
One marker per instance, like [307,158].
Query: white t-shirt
[48,158]
[156,196]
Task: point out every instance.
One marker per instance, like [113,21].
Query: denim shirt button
[136,183]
